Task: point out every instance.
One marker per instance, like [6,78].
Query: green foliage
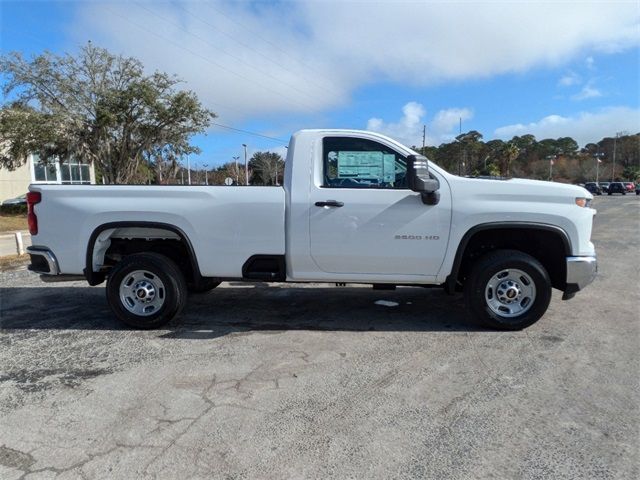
[524,156]
[267,168]
[13,209]
[96,107]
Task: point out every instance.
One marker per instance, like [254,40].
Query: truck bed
[230,223]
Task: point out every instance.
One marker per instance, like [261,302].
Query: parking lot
[317,381]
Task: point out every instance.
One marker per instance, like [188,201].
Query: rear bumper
[581,271]
[43,261]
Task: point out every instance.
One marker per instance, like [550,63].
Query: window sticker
[371,167]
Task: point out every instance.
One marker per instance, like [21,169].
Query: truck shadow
[241,308]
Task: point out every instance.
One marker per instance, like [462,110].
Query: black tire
[161,277]
[609,193]
[477,290]
[204,285]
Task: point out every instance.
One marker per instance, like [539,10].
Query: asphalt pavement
[315,381]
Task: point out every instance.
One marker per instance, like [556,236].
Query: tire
[203,286]
[488,290]
[609,193]
[146,290]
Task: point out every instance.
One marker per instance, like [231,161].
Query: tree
[508,154]
[96,107]
[266,168]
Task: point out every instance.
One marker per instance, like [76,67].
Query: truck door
[364,220]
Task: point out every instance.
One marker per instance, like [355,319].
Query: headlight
[583,202]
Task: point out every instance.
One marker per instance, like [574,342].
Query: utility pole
[597,156]
[551,159]
[613,168]
[424,137]
[246,165]
[236,158]
[189,170]
[206,173]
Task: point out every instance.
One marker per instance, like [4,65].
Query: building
[15,183]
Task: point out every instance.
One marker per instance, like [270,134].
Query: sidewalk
[8,242]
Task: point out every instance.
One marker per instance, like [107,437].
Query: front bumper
[581,271]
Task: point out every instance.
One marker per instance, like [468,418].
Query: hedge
[13,209]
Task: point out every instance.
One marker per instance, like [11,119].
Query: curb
[25,233]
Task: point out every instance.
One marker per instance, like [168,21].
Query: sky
[269,68]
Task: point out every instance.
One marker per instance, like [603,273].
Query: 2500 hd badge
[417,237]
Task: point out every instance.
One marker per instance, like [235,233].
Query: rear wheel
[508,290]
[146,290]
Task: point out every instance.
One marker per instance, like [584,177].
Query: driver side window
[361,163]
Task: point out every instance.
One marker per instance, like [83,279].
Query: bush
[13,209]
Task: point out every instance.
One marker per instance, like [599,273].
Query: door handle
[330,203]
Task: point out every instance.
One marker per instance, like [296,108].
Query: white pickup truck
[356,207]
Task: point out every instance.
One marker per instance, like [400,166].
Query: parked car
[604,186]
[21,200]
[355,207]
[617,187]
[593,187]
[630,186]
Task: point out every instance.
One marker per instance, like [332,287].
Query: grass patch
[9,262]
[11,223]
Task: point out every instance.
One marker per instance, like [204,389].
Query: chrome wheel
[510,293]
[142,293]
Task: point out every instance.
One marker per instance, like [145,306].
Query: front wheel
[146,290]
[508,290]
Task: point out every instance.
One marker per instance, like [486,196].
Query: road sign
[228,181]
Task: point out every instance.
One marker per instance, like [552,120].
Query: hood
[521,189]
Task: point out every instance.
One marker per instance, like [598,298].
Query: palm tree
[508,154]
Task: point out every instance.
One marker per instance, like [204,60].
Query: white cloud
[408,130]
[583,127]
[588,91]
[570,79]
[250,58]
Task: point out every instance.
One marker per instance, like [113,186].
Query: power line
[266,40]
[327,89]
[235,57]
[279,140]
[200,56]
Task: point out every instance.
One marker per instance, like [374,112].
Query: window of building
[75,173]
[44,172]
[71,173]
[361,163]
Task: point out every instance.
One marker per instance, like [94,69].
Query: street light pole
[246,165]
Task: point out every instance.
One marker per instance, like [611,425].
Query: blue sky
[548,68]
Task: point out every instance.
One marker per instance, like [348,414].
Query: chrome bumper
[581,271]
[43,261]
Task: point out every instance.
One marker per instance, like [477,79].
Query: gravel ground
[312,381]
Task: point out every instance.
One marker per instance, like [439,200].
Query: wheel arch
[485,231]
[95,277]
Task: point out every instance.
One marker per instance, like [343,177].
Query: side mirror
[419,180]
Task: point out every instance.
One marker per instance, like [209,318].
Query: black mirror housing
[419,180]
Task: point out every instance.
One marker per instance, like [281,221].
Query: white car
[356,207]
